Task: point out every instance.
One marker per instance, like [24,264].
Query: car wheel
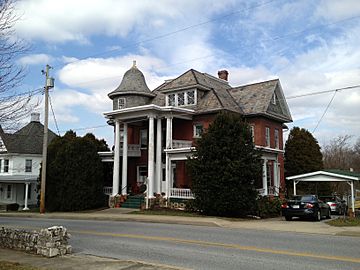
[318,215]
[328,214]
[288,218]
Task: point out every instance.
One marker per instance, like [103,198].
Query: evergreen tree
[224,168]
[74,179]
[303,155]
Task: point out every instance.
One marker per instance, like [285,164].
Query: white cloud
[334,9]
[67,20]
[35,59]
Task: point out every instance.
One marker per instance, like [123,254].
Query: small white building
[20,159]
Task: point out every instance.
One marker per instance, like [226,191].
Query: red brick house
[155,130]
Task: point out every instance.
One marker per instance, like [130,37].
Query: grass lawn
[4,265]
[341,222]
[166,212]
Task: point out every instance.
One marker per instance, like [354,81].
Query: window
[267,137]
[171,99]
[28,165]
[276,138]
[181,99]
[198,130]
[143,138]
[121,103]
[142,174]
[1,165]
[9,192]
[273,100]
[252,130]
[191,97]
[6,165]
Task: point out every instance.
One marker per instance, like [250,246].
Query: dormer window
[183,98]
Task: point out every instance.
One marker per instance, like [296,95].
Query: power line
[327,107]
[324,92]
[53,113]
[175,32]
[85,128]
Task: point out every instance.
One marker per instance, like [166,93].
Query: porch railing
[107,190]
[181,193]
[181,144]
[272,190]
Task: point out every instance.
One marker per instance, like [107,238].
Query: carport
[328,176]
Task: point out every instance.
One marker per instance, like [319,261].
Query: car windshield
[304,198]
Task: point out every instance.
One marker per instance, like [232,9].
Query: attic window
[273,100]
[121,103]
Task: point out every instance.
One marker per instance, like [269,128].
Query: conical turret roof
[133,83]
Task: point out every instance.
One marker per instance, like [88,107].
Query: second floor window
[6,165]
[143,138]
[267,137]
[277,145]
[252,130]
[28,165]
[198,130]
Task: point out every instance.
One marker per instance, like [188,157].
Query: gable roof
[27,140]
[256,99]
[326,175]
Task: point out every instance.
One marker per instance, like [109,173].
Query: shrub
[12,207]
[269,207]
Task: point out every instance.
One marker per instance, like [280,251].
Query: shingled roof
[28,140]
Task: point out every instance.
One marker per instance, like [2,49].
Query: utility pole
[49,83]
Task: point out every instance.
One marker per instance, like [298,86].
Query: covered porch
[18,189]
[155,170]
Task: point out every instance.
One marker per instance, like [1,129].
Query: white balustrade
[181,193]
[181,144]
[107,190]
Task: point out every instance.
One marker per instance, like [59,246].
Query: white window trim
[186,102]
[31,165]
[8,166]
[147,138]
[118,103]
[252,131]
[11,192]
[277,138]
[138,173]
[267,137]
[273,100]
[194,129]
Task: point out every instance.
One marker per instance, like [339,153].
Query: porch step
[133,202]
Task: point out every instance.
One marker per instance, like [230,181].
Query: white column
[352,197]
[124,160]
[151,148]
[116,171]
[26,196]
[265,187]
[276,180]
[157,187]
[167,159]
[295,182]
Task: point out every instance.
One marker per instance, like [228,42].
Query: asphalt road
[200,247]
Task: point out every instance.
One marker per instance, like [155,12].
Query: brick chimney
[223,74]
[35,117]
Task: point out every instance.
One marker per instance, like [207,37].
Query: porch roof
[151,109]
[18,178]
[324,176]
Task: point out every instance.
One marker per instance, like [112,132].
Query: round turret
[132,91]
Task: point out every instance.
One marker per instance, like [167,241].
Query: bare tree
[14,103]
[339,153]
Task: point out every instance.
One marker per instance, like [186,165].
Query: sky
[310,45]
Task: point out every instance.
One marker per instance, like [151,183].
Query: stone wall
[48,242]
